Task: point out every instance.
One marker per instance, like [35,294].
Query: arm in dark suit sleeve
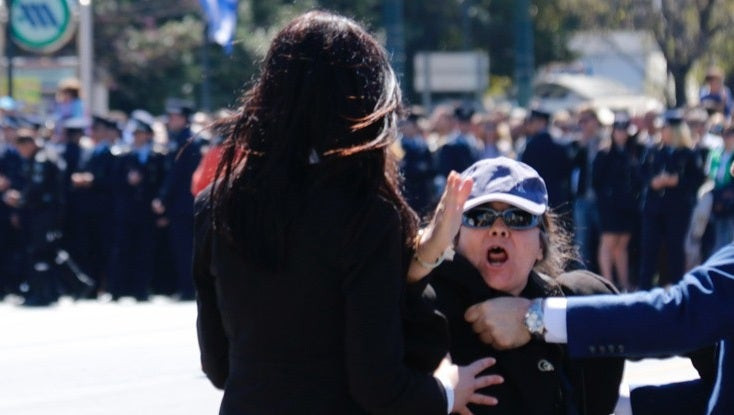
[213,343]
[597,379]
[378,378]
[695,312]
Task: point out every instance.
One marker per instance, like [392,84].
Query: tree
[685,30]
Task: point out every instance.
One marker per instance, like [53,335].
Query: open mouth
[496,255]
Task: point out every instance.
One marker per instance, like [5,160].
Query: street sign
[451,71]
[41,26]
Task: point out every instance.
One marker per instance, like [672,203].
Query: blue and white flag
[221,18]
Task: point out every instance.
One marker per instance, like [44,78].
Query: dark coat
[681,161]
[418,170]
[325,334]
[539,377]
[617,182]
[132,203]
[554,165]
[457,154]
[182,160]
[98,198]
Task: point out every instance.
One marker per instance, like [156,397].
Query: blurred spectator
[442,124]
[718,166]
[68,103]
[10,178]
[416,166]
[39,200]
[207,168]
[648,128]
[583,153]
[550,159]
[617,183]
[714,95]
[672,174]
[138,179]
[494,135]
[461,149]
[90,203]
[175,200]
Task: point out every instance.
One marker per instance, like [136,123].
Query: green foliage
[150,51]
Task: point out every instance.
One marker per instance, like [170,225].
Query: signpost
[450,72]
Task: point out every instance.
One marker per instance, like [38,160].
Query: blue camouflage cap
[502,179]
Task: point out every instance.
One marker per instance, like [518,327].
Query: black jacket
[325,335]
[553,164]
[681,161]
[617,179]
[539,377]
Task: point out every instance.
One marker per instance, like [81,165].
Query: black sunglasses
[514,218]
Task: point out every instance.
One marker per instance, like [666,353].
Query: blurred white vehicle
[557,92]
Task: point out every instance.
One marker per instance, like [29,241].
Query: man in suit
[695,312]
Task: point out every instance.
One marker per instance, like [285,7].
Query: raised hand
[440,233]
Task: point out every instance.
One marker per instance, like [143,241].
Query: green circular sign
[41,26]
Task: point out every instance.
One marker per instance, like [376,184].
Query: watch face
[535,324]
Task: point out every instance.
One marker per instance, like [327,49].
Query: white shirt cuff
[554,319]
[449,394]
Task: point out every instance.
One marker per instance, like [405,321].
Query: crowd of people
[96,206]
[646,196]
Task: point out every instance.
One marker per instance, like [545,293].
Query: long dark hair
[325,106]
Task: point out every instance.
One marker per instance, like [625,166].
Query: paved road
[92,358]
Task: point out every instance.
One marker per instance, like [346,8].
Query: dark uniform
[40,213]
[10,272]
[418,171]
[553,163]
[617,181]
[138,178]
[90,213]
[461,150]
[175,194]
[666,212]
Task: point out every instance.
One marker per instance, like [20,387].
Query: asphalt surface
[96,357]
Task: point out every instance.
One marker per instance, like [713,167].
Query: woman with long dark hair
[303,243]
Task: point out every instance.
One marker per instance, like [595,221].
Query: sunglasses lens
[485,217]
[478,218]
[519,219]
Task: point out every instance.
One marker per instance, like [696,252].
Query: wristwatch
[534,319]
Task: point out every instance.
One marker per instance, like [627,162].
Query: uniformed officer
[139,178]
[549,158]
[39,201]
[10,177]
[175,199]
[672,174]
[462,148]
[90,202]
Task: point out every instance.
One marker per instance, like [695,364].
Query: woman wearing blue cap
[510,244]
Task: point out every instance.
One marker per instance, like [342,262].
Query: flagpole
[206,95]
